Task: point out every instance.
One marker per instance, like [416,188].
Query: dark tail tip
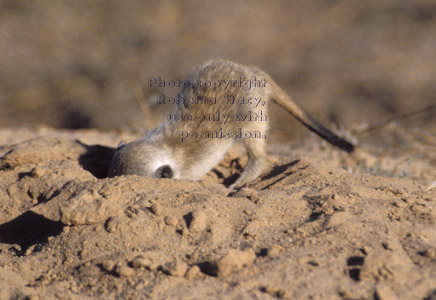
[337,141]
[329,136]
[346,146]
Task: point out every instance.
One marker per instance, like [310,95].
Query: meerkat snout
[142,158]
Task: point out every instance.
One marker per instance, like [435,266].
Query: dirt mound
[318,227]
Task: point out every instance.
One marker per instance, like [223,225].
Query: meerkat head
[142,158]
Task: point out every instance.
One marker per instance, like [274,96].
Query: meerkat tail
[284,100]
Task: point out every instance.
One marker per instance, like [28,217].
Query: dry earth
[318,224]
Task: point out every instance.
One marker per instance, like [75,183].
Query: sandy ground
[318,224]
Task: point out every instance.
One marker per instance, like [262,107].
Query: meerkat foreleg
[256,156]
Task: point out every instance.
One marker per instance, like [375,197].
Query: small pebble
[250,194]
[141,262]
[108,265]
[157,209]
[171,220]
[124,271]
[275,292]
[193,272]
[275,251]
[383,292]
[175,268]
[37,172]
[114,224]
[430,253]
[346,293]
[199,222]
[234,261]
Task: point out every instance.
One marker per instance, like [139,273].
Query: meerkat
[207,120]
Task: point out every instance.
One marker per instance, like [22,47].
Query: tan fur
[191,158]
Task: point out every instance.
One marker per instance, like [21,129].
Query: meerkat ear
[164,172]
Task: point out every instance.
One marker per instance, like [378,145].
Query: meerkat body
[207,120]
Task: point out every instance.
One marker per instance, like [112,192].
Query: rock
[274,251]
[152,260]
[250,194]
[198,222]
[193,272]
[124,271]
[141,262]
[171,220]
[108,265]
[88,208]
[37,172]
[175,268]
[114,224]
[234,261]
[275,292]
[430,253]
[157,209]
[383,292]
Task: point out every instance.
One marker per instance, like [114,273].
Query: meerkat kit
[220,103]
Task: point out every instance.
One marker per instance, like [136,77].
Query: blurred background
[85,63]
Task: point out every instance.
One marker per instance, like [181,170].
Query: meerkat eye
[164,172]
